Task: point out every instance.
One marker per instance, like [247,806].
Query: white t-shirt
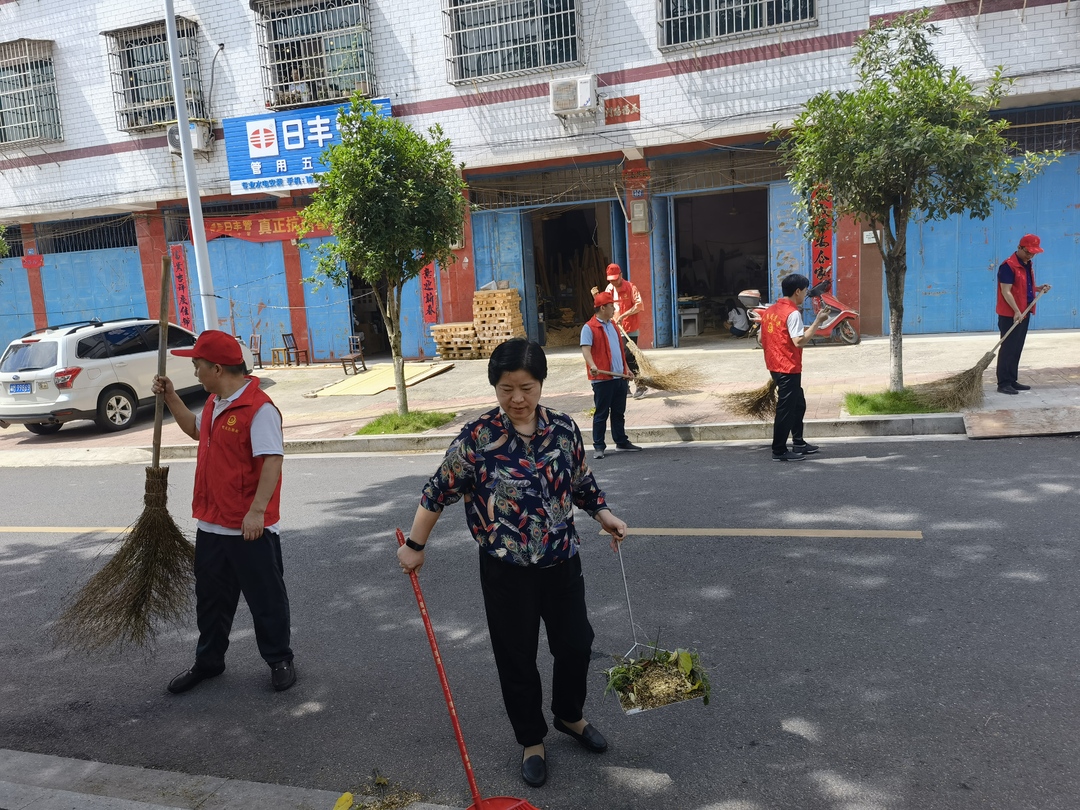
[795,326]
[266,440]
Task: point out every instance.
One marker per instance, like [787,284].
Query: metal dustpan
[496,802]
[633,652]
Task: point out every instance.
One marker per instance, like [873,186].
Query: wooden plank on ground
[1022,422]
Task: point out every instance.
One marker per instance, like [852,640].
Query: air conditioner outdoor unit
[198,131]
[573,96]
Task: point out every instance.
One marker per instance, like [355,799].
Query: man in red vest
[1015,292]
[783,337]
[605,363]
[237,493]
[628,308]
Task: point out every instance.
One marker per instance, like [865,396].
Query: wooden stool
[278,357]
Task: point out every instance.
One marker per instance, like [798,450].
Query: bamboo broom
[149,579]
[757,404]
[963,390]
[678,378]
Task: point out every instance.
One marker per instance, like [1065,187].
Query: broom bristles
[757,404]
[147,582]
[679,378]
[954,393]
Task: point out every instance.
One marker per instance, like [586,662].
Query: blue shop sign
[280,151]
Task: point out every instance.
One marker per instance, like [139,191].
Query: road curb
[928,424]
[59,783]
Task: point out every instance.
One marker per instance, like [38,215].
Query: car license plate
[20,388]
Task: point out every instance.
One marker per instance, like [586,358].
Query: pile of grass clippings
[378,794]
[660,679]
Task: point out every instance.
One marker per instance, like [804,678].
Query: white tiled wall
[1041,50]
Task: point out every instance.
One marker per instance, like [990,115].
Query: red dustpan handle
[478,802]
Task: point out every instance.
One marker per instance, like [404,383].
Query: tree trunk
[895,256]
[390,309]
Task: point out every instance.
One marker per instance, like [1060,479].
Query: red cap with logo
[613,272]
[1030,243]
[603,299]
[215,346]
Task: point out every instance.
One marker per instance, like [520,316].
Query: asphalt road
[878,674]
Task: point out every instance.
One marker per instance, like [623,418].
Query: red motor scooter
[839,325]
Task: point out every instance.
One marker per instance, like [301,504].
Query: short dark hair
[241,369]
[790,285]
[515,355]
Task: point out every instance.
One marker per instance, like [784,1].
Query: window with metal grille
[178,224]
[490,39]
[92,233]
[313,51]
[13,237]
[142,80]
[29,107]
[689,22]
[1056,127]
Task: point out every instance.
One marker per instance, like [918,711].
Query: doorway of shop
[572,247]
[721,248]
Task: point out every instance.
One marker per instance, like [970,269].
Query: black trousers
[226,566]
[631,359]
[609,397]
[516,598]
[790,410]
[1008,360]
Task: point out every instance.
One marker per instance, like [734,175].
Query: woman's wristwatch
[414,545]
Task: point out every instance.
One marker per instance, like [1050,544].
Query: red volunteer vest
[781,353]
[601,351]
[624,300]
[1019,287]
[227,475]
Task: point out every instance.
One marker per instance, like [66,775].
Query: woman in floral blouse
[521,470]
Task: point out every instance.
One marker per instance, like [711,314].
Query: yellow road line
[864,533]
[64,529]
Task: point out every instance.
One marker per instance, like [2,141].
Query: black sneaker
[788,456]
[630,448]
[805,448]
[1021,387]
[282,675]
[1007,389]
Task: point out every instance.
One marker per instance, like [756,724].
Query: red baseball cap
[613,272]
[215,346]
[603,299]
[1030,243]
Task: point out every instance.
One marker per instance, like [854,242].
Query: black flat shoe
[534,770]
[589,738]
[282,675]
[190,679]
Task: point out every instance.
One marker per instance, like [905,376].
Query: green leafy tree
[913,139]
[393,199]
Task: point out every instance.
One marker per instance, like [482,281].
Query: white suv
[89,370]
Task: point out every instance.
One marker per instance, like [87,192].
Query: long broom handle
[629,610]
[1024,314]
[478,802]
[163,343]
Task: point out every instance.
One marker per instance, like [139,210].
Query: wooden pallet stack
[455,341]
[496,318]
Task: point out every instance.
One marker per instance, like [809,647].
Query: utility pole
[207,299]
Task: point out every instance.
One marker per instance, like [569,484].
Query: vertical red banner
[429,295]
[183,292]
[821,248]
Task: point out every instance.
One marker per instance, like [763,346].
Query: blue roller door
[105,284]
[329,310]
[16,308]
[952,265]
[503,251]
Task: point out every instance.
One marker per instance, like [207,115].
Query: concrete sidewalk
[316,424]
[42,782]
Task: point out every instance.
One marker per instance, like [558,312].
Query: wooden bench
[356,352]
